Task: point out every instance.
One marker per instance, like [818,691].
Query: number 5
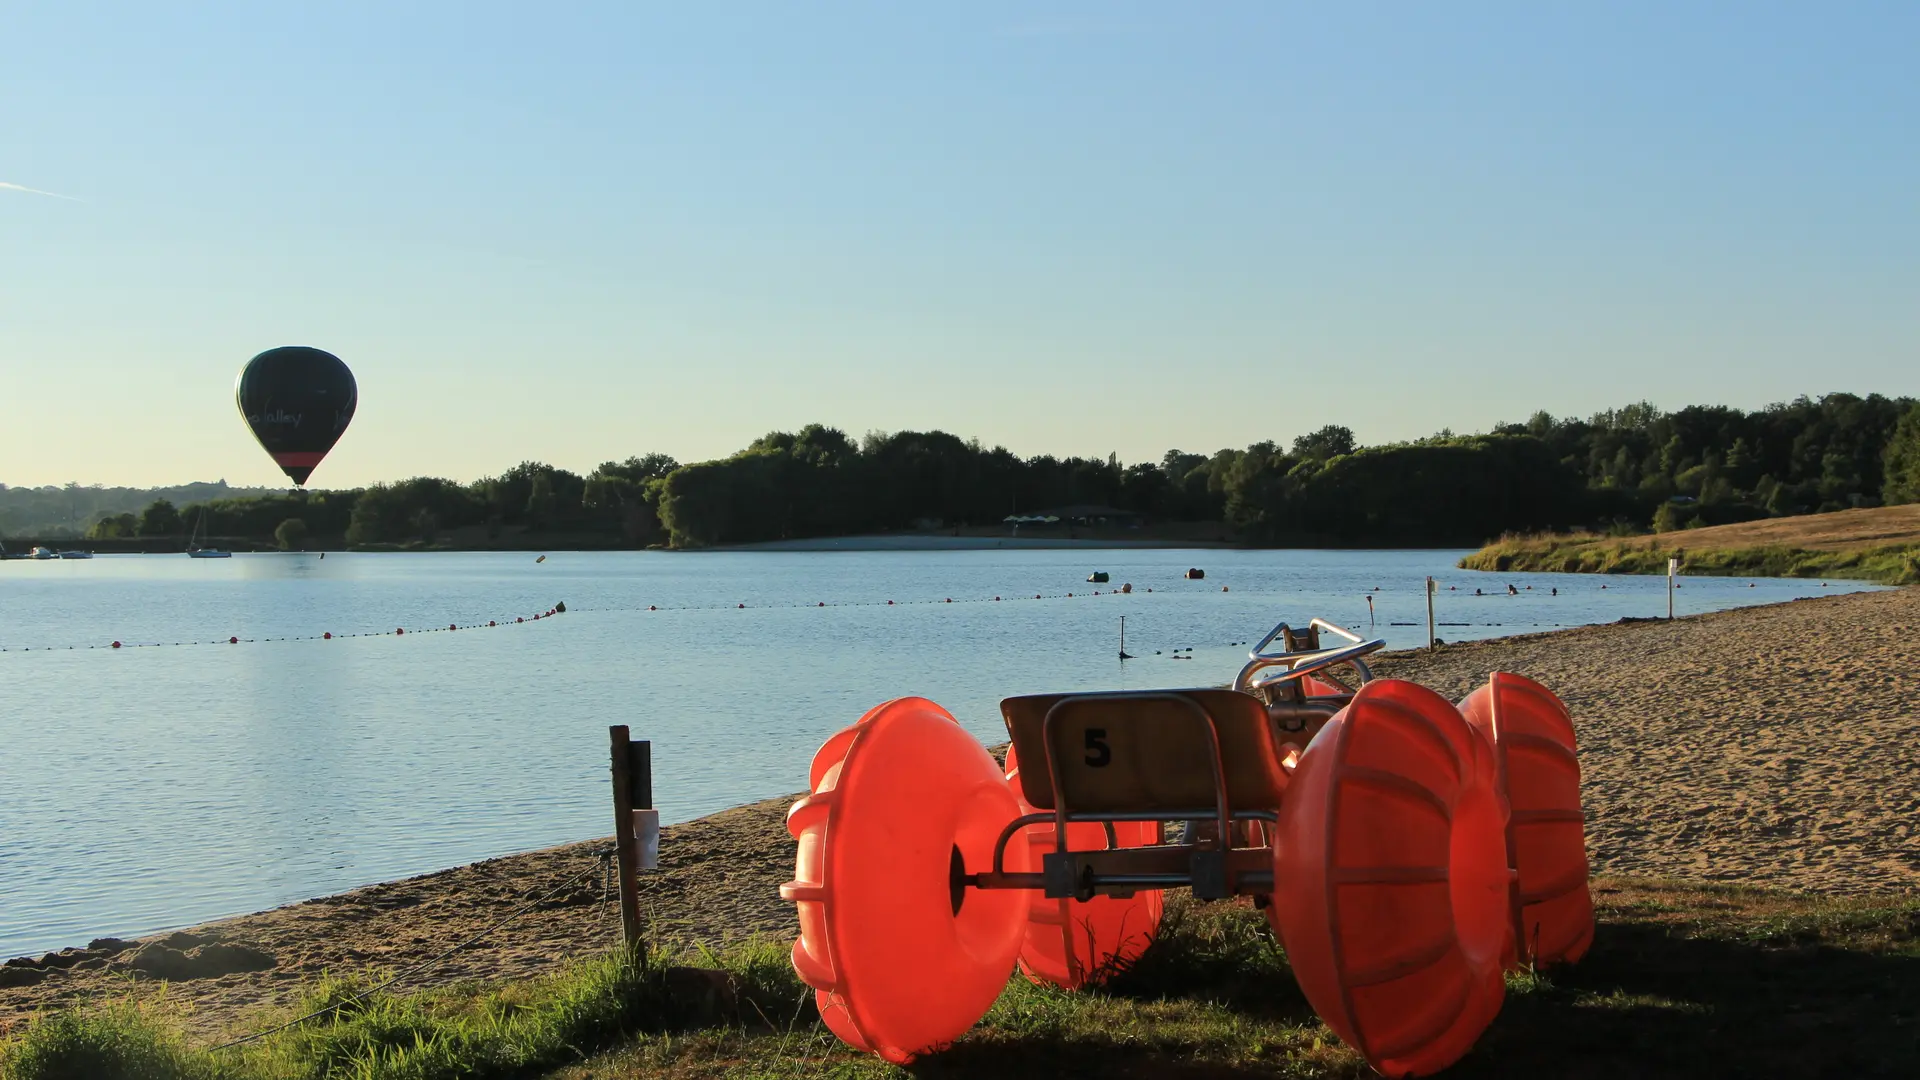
[1098,752]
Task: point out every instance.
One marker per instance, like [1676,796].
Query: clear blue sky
[582,231]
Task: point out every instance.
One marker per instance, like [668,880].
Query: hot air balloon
[297,400]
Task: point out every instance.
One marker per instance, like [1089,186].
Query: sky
[584,231]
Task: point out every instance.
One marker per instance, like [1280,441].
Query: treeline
[70,510]
[1622,470]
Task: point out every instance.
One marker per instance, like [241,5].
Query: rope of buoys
[235,639]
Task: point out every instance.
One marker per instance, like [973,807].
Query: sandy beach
[1769,746]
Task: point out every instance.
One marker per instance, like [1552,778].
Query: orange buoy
[1391,872]
[903,958]
[1075,943]
[1532,739]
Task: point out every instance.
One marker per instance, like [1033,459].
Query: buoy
[1392,850]
[889,603]
[1127,588]
[400,631]
[996,599]
[1075,943]
[740,605]
[116,644]
[1097,576]
[559,607]
[1223,588]
[1194,573]
[541,559]
[233,641]
[328,636]
[650,607]
[523,618]
[949,599]
[823,603]
[902,958]
[1531,735]
[451,626]
[489,622]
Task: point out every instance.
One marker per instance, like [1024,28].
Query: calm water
[146,788]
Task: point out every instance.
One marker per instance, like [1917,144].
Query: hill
[1877,544]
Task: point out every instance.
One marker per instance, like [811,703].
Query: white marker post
[1673,567]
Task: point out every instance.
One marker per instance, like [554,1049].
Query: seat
[1146,750]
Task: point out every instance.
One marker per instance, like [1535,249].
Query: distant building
[1083,515]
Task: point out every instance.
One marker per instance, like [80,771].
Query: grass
[1684,980]
[1592,554]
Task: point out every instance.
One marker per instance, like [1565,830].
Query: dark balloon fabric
[297,400]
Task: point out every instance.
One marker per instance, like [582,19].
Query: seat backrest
[1146,750]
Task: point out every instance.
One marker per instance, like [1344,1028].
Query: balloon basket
[1405,849]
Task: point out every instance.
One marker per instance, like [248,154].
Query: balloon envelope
[297,400]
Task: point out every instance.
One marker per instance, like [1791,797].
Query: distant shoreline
[959,543]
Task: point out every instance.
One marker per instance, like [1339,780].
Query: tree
[291,534]
[115,527]
[1902,459]
[160,519]
[1328,443]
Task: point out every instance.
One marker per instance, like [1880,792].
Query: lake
[160,785]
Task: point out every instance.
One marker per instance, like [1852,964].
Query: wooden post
[1673,567]
[1430,633]
[626,786]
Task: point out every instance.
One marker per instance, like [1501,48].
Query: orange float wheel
[1075,943]
[1391,881]
[1532,738]
[903,959]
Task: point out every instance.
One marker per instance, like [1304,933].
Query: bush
[119,1042]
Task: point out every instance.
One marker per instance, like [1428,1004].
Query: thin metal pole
[1673,565]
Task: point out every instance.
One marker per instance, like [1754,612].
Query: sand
[1769,746]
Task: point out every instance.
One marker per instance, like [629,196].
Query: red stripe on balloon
[296,458]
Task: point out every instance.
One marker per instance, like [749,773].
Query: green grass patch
[1591,554]
[1683,980]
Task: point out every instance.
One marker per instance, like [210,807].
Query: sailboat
[196,552]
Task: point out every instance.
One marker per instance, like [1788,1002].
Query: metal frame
[1299,663]
[1215,869]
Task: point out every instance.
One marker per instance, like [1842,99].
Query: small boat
[194,551]
[76,554]
[43,553]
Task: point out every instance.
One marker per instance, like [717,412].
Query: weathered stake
[1430,634]
[626,785]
